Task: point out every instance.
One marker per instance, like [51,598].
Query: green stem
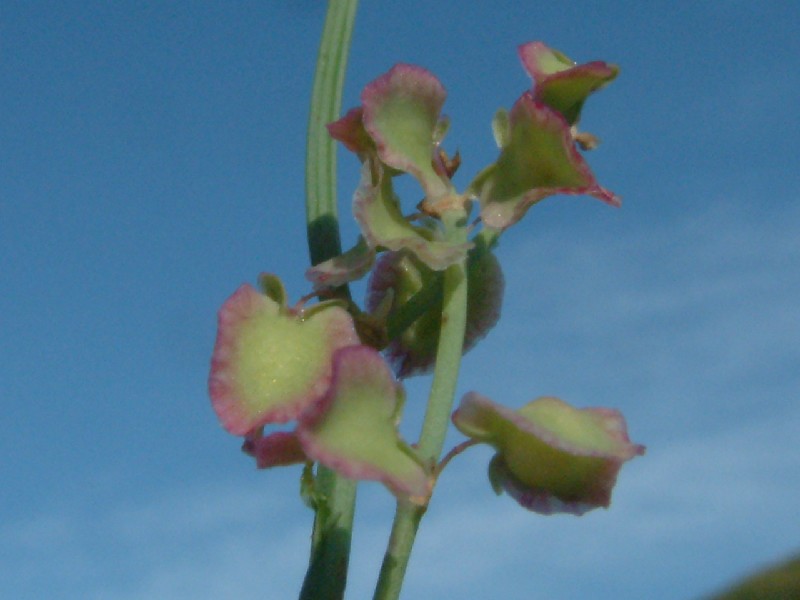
[404,317]
[487,238]
[326,103]
[437,416]
[335,496]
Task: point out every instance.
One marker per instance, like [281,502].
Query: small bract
[340,270]
[551,457]
[277,449]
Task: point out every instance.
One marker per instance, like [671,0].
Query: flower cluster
[321,367]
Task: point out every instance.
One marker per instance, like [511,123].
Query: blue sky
[151,160]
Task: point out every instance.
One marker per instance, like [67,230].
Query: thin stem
[326,103]
[450,349]
[335,496]
[413,309]
[487,238]
[437,416]
[455,451]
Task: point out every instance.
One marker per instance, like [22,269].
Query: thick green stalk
[335,496]
[437,416]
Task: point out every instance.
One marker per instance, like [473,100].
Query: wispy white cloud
[202,541]
[685,518]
